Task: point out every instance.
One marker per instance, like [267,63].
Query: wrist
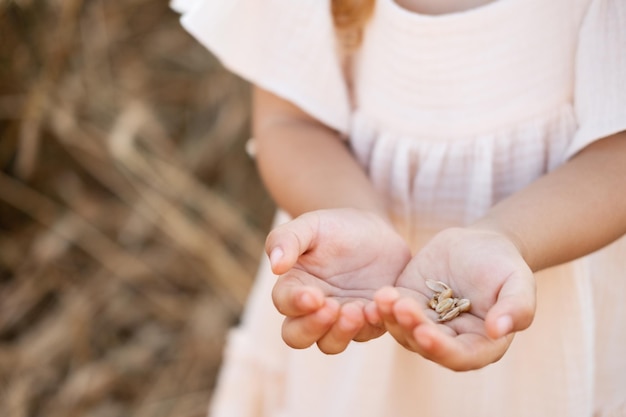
[376,214]
[505,232]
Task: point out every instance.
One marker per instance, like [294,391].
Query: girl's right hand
[330,264]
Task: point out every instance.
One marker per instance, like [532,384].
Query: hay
[131,220]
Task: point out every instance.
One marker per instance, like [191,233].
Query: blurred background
[131,218]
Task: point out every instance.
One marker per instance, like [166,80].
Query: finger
[341,333]
[372,315]
[373,327]
[514,309]
[293,299]
[385,298]
[302,332]
[369,332]
[409,314]
[464,352]
[443,343]
[287,242]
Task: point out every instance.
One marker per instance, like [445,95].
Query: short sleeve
[600,90]
[285,46]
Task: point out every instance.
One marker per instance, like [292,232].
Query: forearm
[573,211]
[304,165]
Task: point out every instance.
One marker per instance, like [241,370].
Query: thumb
[287,242]
[515,307]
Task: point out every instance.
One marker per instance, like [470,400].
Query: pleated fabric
[448,115]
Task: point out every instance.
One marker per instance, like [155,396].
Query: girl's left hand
[481,265]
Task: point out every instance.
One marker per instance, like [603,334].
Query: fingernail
[276,255]
[504,325]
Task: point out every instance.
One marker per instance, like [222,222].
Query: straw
[131,219]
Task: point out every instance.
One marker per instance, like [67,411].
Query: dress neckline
[485,9]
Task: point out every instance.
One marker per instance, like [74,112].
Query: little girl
[478,143]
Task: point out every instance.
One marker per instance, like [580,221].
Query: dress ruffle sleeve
[600,90]
[287,47]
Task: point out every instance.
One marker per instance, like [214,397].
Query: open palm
[330,264]
[479,265]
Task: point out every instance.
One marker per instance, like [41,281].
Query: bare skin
[323,300]
[568,213]
[439,7]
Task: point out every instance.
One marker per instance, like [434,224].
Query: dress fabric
[448,115]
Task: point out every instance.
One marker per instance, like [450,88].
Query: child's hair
[350,17]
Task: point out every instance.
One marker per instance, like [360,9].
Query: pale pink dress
[448,114]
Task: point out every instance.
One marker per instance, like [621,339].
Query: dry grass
[131,220]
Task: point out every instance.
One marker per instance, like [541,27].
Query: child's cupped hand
[330,264]
[480,265]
